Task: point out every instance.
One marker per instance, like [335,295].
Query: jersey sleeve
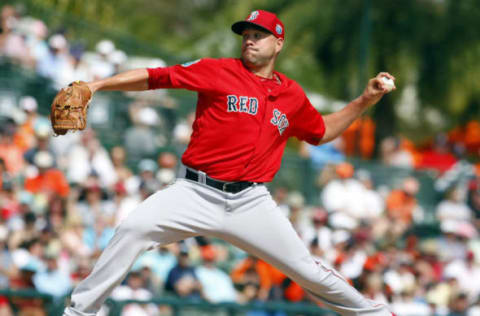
[308,124]
[199,75]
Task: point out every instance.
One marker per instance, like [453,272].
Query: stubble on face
[258,47]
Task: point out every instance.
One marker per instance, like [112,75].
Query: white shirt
[127,293]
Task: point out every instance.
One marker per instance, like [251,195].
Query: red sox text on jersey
[241,124]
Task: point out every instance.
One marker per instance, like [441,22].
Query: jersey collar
[276,91]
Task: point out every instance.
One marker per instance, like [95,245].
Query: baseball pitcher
[245,113]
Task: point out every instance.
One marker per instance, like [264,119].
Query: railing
[51,305]
[183,307]
[173,306]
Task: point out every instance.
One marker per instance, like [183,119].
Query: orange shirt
[13,157]
[359,138]
[401,205]
[268,274]
[24,138]
[51,181]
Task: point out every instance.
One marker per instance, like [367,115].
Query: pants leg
[262,230]
[180,211]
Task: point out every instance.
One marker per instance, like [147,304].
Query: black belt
[231,187]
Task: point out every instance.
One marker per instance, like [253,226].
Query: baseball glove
[69,108]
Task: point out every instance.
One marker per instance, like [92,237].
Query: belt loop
[202,177]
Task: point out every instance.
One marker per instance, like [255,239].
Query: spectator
[12,44]
[280,197]
[457,175]
[336,254]
[465,271]
[474,310]
[394,155]
[5,309]
[473,197]
[80,69]
[148,187]
[452,242]
[472,136]
[100,64]
[144,119]
[27,231]
[145,182]
[351,258]
[88,158]
[57,65]
[10,207]
[117,58]
[374,204]
[359,138]
[119,158]
[96,237]
[331,152]
[250,290]
[182,279]
[344,198]
[30,255]
[402,205]
[56,214]
[149,280]
[252,269]
[296,203]
[160,261]
[134,290]
[124,203]
[52,281]
[374,287]
[319,231]
[25,134]
[405,305]
[399,277]
[48,180]
[81,269]
[216,284]
[72,237]
[10,153]
[182,132]
[7,268]
[453,208]
[458,305]
[5,177]
[167,171]
[35,41]
[94,203]
[41,142]
[24,281]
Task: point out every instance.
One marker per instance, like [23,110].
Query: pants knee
[312,274]
[135,228]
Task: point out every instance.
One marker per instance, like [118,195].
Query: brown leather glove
[69,108]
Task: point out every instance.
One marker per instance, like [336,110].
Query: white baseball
[388,83]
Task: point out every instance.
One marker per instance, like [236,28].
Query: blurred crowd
[28,41]
[61,199]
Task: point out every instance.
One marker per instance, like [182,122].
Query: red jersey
[241,124]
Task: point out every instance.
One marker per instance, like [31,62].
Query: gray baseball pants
[249,220]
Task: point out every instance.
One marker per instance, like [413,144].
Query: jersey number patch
[280,120]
